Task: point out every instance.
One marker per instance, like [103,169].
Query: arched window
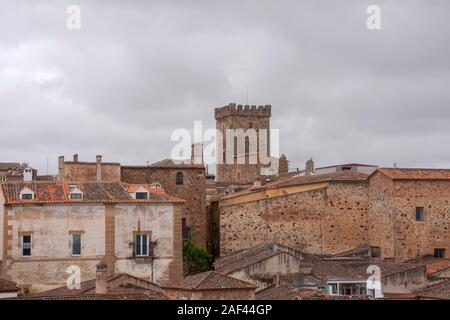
[179,178]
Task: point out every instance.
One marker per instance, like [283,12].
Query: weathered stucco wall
[337,212]
[193,190]
[404,282]
[107,234]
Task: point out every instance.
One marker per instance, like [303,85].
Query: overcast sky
[137,70]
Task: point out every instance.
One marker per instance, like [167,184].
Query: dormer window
[142,195]
[75,194]
[26,194]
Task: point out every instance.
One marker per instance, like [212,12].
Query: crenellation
[233,109]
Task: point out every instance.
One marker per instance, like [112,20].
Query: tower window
[419,214]
[179,178]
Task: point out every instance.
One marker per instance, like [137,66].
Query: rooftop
[120,287]
[415,173]
[49,192]
[209,280]
[7,286]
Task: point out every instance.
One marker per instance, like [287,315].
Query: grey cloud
[137,70]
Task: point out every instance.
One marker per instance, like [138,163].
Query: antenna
[247,95]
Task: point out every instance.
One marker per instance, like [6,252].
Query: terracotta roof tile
[437,290]
[209,280]
[8,286]
[415,173]
[47,192]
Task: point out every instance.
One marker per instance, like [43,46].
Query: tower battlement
[243,110]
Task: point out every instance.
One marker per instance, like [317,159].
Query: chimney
[197,153]
[61,165]
[257,183]
[101,285]
[99,168]
[27,174]
[276,279]
[75,157]
[309,167]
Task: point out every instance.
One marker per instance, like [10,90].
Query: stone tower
[246,117]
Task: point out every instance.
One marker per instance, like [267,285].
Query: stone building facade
[240,117]
[183,180]
[409,212]
[403,212]
[318,214]
[57,225]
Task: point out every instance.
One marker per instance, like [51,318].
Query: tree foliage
[195,259]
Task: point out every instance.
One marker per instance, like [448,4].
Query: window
[439,253]
[72,186]
[142,195]
[27,196]
[346,168]
[141,245]
[179,178]
[419,214]
[76,244]
[76,196]
[26,245]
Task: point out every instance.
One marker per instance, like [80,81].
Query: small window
[27,196]
[346,168]
[439,253]
[76,244]
[179,178]
[72,186]
[141,245]
[419,214]
[76,196]
[142,195]
[26,245]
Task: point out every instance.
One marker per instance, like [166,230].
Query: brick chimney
[61,168]
[99,168]
[197,153]
[101,285]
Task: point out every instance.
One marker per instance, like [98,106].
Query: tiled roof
[7,286]
[437,290]
[341,176]
[120,287]
[209,280]
[415,173]
[289,292]
[169,164]
[432,264]
[47,192]
[249,256]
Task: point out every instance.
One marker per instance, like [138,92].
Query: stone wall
[393,224]
[224,294]
[87,172]
[193,190]
[338,212]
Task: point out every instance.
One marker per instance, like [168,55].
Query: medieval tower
[237,117]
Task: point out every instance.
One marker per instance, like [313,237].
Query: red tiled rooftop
[209,280]
[48,192]
[7,286]
[415,173]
